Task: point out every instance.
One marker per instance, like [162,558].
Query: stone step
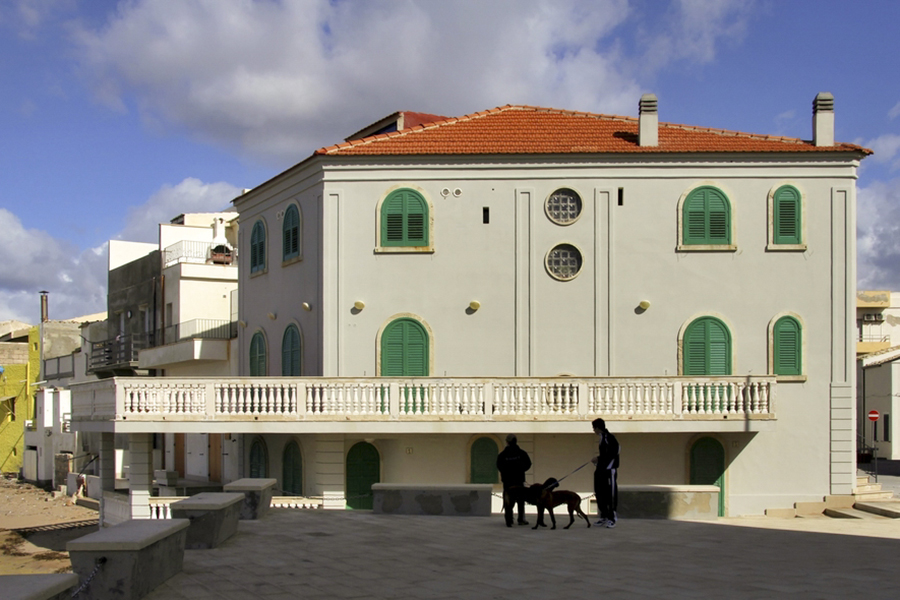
[88,503]
[840,501]
[885,509]
[781,513]
[852,513]
[870,496]
[862,480]
[805,509]
[867,487]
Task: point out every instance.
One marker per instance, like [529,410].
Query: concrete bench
[462,500]
[38,587]
[257,495]
[668,501]
[134,557]
[213,516]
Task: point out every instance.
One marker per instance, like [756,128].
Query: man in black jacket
[606,488]
[512,464]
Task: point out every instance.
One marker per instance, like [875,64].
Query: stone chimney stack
[45,312]
[648,124]
[823,119]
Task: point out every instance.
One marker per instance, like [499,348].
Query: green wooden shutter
[291,233]
[290,352]
[404,349]
[292,470]
[787,347]
[707,348]
[259,459]
[706,218]
[404,219]
[257,247]
[363,469]
[787,215]
[483,466]
[258,355]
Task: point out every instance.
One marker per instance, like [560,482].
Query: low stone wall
[57,586]
[213,516]
[257,495]
[461,500]
[668,501]
[129,560]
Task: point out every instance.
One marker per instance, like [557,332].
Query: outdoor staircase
[868,501]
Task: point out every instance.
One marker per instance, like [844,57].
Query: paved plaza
[345,554]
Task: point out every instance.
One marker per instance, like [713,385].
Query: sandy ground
[35,526]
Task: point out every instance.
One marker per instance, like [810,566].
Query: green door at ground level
[708,466]
[363,469]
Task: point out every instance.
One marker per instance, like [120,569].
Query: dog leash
[556,484]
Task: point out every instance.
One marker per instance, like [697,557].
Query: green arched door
[363,469]
[708,466]
[483,466]
[259,459]
[292,470]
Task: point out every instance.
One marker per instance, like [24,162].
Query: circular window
[564,262]
[563,206]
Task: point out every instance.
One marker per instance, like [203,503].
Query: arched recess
[363,470]
[707,466]
[259,458]
[483,460]
[292,469]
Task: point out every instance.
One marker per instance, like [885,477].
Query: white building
[878,377]
[410,297]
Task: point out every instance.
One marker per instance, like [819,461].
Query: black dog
[547,496]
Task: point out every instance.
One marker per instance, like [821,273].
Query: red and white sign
[873,415]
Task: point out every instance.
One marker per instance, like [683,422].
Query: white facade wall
[532,324]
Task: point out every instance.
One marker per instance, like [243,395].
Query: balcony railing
[207,329]
[434,399]
[188,251]
[120,351]
[62,366]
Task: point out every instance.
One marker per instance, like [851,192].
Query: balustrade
[648,398]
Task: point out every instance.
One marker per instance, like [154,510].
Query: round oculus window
[563,206]
[564,262]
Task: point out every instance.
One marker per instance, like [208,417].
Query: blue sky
[116,116]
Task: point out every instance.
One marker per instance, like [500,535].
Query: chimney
[823,119]
[45,315]
[648,124]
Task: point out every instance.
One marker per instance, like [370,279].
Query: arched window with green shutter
[292,470]
[290,233]
[258,247]
[786,226]
[483,461]
[404,219]
[258,367]
[787,347]
[290,352]
[404,349]
[259,458]
[706,218]
[707,348]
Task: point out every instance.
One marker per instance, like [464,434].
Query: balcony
[60,367]
[116,355]
[202,340]
[205,253]
[423,405]
[872,342]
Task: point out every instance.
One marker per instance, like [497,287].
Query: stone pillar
[107,462]
[140,447]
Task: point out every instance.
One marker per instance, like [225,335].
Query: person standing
[606,488]
[512,463]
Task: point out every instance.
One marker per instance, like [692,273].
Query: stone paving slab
[358,554]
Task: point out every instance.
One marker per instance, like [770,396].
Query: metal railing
[62,366]
[188,251]
[208,329]
[120,351]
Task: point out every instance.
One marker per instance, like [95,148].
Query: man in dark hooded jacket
[512,464]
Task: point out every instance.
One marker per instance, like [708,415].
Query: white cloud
[886,148]
[878,236]
[894,112]
[278,79]
[77,280]
[34,261]
[191,195]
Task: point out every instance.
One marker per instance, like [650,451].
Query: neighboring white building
[878,376]
[408,298]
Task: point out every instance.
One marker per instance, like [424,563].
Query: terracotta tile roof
[533,130]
